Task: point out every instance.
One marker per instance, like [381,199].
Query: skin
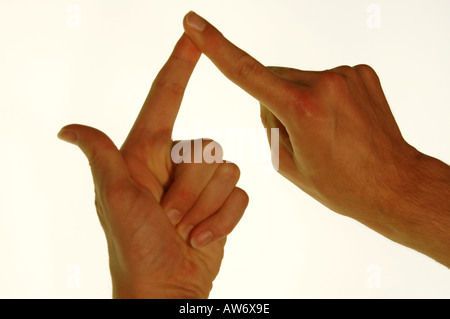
[340,143]
[165,223]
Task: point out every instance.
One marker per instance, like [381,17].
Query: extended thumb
[105,159]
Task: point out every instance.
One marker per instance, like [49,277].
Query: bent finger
[212,198]
[191,176]
[221,223]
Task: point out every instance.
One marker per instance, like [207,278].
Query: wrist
[151,285]
[417,209]
[153,291]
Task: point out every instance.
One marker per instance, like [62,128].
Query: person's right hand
[340,143]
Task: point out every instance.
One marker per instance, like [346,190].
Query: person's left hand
[165,223]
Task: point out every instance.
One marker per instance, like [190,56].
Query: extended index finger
[240,67]
[161,106]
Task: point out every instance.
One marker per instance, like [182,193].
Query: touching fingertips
[195,21]
[202,239]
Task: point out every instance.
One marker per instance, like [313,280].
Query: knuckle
[186,196]
[366,71]
[183,59]
[230,171]
[346,70]
[98,157]
[330,78]
[331,81]
[246,66]
[172,87]
[364,68]
[242,195]
[94,158]
[301,103]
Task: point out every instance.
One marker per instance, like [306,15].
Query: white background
[92,62]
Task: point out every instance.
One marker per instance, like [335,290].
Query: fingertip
[68,136]
[174,215]
[241,197]
[193,21]
[223,222]
[184,231]
[202,239]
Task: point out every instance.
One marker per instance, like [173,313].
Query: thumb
[106,161]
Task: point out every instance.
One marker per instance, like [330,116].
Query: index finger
[240,67]
[160,109]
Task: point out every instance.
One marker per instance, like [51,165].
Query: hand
[340,143]
[165,223]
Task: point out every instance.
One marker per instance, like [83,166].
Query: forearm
[417,212]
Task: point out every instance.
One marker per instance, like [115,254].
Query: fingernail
[195,21]
[174,215]
[68,136]
[202,239]
[184,233]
